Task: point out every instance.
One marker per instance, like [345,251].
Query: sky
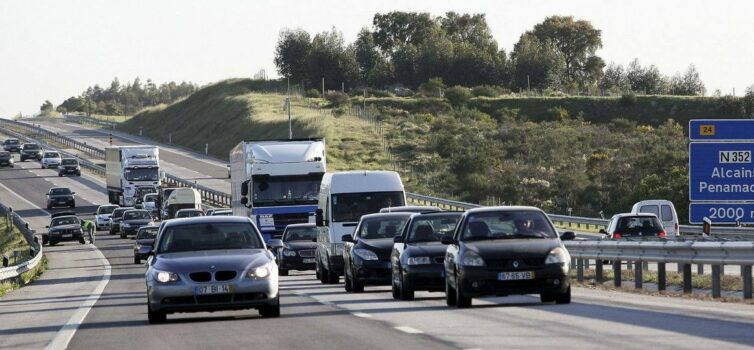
[51,50]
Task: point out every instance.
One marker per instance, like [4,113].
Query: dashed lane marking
[408,330]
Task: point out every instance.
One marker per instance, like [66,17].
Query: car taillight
[617,235]
[677,231]
[662,234]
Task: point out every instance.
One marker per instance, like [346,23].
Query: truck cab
[345,197]
[131,172]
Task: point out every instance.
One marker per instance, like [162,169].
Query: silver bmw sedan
[210,263]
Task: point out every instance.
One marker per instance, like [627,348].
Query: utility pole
[343,86]
[289,86]
[528,84]
[323,87]
[365,100]
[290,123]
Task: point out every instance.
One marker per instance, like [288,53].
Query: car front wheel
[156,316]
[271,310]
[450,294]
[563,298]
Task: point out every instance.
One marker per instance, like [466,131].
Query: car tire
[137,260]
[282,272]
[82,240]
[45,240]
[317,272]
[347,282]
[73,205]
[395,290]
[450,294]
[270,310]
[356,286]
[406,290]
[563,298]
[123,235]
[462,301]
[60,175]
[156,317]
[52,243]
[323,275]
[332,277]
[546,297]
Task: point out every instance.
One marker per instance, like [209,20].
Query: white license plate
[308,261]
[68,235]
[213,289]
[515,276]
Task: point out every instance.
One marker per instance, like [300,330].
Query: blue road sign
[721,129]
[721,213]
[721,171]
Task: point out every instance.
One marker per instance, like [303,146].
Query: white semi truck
[276,183]
[131,172]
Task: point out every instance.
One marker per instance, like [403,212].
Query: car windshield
[209,236]
[150,198]
[69,162]
[188,214]
[222,213]
[12,142]
[638,226]
[141,174]
[136,215]
[507,224]
[60,191]
[431,228]
[147,233]
[66,220]
[306,234]
[52,155]
[31,146]
[118,213]
[350,207]
[106,209]
[381,227]
[271,191]
[5,155]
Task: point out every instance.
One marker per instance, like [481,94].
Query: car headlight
[365,254]
[287,252]
[125,225]
[418,260]
[560,256]
[472,259]
[260,272]
[165,277]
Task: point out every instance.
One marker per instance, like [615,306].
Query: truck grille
[283,220]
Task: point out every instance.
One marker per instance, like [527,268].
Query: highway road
[103,301]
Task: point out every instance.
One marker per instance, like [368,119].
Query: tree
[395,29]
[614,79]
[646,80]
[329,58]
[577,41]
[46,107]
[688,84]
[537,64]
[458,95]
[292,52]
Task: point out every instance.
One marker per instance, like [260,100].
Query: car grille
[439,259]
[214,299]
[200,276]
[308,253]
[289,219]
[507,264]
[225,275]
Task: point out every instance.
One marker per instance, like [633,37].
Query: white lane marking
[65,334]
[408,330]
[361,314]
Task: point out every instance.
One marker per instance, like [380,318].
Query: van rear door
[665,213]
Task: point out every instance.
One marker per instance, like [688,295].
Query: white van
[665,211]
[344,197]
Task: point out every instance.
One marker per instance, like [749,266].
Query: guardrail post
[638,275]
[586,264]
[687,278]
[598,271]
[746,276]
[629,265]
[616,273]
[580,270]
[573,263]
[661,276]
[700,269]
[716,281]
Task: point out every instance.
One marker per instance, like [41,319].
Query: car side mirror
[319,217]
[347,238]
[73,192]
[275,243]
[244,189]
[568,236]
[602,230]
[398,239]
[448,240]
[47,226]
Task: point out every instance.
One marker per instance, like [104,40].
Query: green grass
[225,113]
[672,278]
[13,242]
[24,279]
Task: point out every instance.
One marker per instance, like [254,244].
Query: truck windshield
[141,174]
[271,191]
[351,206]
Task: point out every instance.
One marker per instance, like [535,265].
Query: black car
[12,145]
[61,197]
[64,227]
[298,248]
[6,159]
[31,151]
[133,220]
[418,254]
[366,254]
[69,166]
[116,218]
[501,251]
[144,242]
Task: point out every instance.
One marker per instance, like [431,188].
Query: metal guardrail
[83,119]
[209,196]
[37,130]
[84,163]
[684,253]
[36,248]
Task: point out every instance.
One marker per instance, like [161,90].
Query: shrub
[486,91]
[458,95]
[432,87]
[312,93]
[336,98]
[628,99]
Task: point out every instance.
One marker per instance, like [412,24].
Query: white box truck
[276,182]
[131,172]
[182,198]
[344,197]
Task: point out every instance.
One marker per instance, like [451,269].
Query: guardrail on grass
[36,248]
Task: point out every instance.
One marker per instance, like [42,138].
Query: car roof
[189,209]
[57,188]
[134,209]
[386,215]
[206,220]
[411,208]
[300,226]
[150,227]
[124,208]
[503,208]
[109,205]
[63,213]
[625,215]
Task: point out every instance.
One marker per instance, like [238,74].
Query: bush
[628,99]
[486,91]
[458,95]
[312,93]
[336,98]
[432,87]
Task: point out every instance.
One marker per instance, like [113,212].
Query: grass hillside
[225,113]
